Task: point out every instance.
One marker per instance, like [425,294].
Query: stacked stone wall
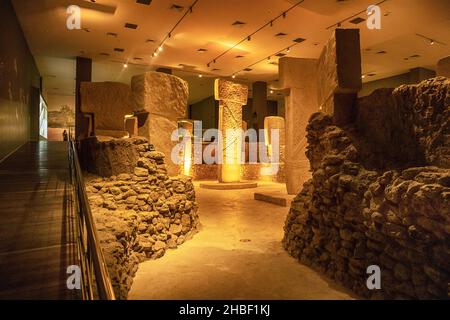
[139,215]
[353,214]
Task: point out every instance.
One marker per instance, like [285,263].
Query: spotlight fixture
[125,65]
[271,23]
[207,65]
[169,35]
[233,76]
[284,14]
[288,50]
[200,76]
[249,38]
[160,49]
[363,76]
[271,91]
[431,42]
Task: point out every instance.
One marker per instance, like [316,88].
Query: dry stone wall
[142,214]
[361,208]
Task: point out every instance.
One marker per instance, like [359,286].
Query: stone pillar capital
[230,91]
[290,69]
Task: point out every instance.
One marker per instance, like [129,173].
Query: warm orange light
[187,163]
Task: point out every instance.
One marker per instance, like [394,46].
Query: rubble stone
[386,209]
[139,219]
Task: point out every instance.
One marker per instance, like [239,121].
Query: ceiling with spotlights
[207,40]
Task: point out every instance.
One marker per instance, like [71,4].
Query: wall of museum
[18,73]
[369,204]
[206,110]
[413,76]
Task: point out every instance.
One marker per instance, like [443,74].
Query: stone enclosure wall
[380,194]
[141,212]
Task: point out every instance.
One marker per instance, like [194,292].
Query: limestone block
[158,129]
[131,126]
[160,100]
[298,77]
[274,122]
[292,72]
[108,156]
[339,68]
[443,67]
[187,125]
[232,97]
[300,104]
[108,101]
[277,123]
[161,94]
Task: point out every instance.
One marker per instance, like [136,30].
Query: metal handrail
[93,263]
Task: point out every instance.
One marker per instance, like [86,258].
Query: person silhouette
[65,135]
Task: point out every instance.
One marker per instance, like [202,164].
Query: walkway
[36,223]
[237,255]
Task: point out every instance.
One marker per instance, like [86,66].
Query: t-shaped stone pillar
[339,75]
[275,123]
[160,100]
[109,102]
[298,81]
[232,97]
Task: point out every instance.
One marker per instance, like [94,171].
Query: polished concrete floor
[236,255]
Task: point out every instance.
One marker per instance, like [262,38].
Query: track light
[207,65]
[200,76]
[271,23]
[288,50]
[431,42]
[271,91]
[284,14]
[125,65]
[249,38]
[160,49]
[233,76]
[169,35]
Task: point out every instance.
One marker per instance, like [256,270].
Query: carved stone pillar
[277,123]
[339,75]
[298,80]
[232,97]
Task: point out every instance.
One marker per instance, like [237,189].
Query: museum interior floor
[236,255]
[37,226]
